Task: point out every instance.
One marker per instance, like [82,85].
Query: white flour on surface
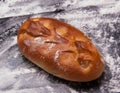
[99,20]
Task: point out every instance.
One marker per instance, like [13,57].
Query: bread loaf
[60,49]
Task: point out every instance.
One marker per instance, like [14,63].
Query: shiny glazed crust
[60,49]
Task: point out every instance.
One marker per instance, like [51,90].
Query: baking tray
[19,75]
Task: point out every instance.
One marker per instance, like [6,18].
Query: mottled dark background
[99,20]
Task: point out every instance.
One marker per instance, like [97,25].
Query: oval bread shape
[60,49]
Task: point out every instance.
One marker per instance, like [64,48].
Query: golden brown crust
[60,49]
